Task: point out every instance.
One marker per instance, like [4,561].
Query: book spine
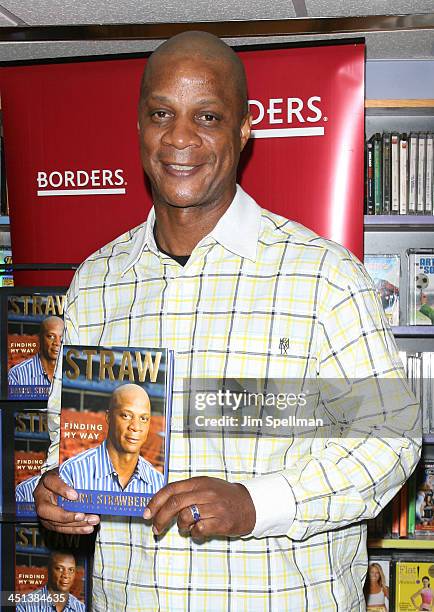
[412,173]
[394,173]
[386,173]
[378,190]
[395,516]
[412,504]
[403,517]
[369,178]
[421,164]
[429,175]
[403,174]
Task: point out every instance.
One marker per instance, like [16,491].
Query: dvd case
[421,286]
[413,585]
[377,585]
[115,425]
[424,503]
[384,271]
[31,331]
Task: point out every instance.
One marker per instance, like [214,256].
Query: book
[394,173]
[412,172]
[424,500]
[385,273]
[31,331]
[429,174]
[370,209]
[378,174]
[411,525]
[50,568]
[421,286]
[115,426]
[24,454]
[6,278]
[421,170]
[377,585]
[403,174]
[413,585]
[386,173]
[403,518]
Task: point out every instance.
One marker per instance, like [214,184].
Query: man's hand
[51,515]
[226,509]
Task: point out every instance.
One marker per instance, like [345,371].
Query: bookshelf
[403,543]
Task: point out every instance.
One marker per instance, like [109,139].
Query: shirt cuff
[274,503]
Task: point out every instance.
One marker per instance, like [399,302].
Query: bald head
[50,337]
[128,394]
[201,46]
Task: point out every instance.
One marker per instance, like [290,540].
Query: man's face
[50,339]
[129,424]
[191,133]
[61,573]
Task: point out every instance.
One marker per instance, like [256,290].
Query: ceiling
[405,44]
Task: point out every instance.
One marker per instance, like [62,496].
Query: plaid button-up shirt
[256,279]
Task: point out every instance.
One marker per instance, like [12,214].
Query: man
[256,523]
[116,464]
[38,371]
[55,595]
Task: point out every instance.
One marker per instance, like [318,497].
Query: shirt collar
[243,213]
[107,468]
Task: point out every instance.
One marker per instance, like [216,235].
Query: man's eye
[209,117]
[159,114]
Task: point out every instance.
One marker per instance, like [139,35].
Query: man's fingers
[208,527]
[164,495]
[56,514]
[61,528]
[186,520]
[176,504]
[56,485]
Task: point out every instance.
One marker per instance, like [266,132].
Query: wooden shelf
[409,103]
[403,543]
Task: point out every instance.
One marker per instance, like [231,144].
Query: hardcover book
[413,586]
[51,570]
[115,426]
[31,328]
[384,271]
[23,462]
[421,286]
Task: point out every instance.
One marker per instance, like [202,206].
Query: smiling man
[38,371]
[116,465]
[246,523]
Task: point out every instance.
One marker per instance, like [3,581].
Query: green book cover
[412,504]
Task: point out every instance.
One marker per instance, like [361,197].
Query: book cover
[386,173]
[51,570]
[384,271]
[115,426]
[377,585]
[421,287]
[403,174]
[412,172]
[413,586]
[403,518]
[32,327]
[424,502]
[411,526]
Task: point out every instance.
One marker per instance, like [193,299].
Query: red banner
[75,180]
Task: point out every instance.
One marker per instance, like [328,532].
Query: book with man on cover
[115,426]
[31,332]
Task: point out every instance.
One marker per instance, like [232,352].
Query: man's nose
[182,133]
[135,424]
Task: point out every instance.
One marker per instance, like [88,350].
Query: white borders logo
[81,182]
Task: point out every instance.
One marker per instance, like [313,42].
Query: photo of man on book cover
[33,339]
[114,436]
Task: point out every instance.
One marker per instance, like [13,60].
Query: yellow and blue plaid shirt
[256,279]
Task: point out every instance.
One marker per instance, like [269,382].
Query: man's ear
[246,128]
[107,418]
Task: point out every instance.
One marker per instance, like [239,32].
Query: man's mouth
[181,169]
